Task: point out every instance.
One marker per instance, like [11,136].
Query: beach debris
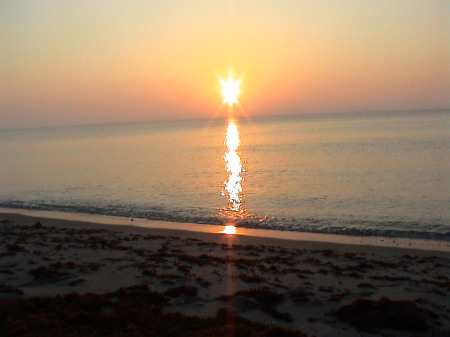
[38,225]
[44,273]
[240,326]
[275,313]
[266,298]
[7,289]
[133,311]
[243,303]
[203,282]
[190,291]
[300,295]
[251,278]
[15,248]
[76,281]
[384,314]
[365,285]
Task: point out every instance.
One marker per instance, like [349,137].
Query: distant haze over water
[356,173]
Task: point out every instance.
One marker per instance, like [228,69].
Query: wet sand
[318,288]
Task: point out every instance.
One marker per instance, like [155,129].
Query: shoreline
[339,239]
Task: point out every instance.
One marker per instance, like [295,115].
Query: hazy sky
[82,62]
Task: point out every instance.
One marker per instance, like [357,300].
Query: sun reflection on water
[234,167]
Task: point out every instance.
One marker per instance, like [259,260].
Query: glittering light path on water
[233,165]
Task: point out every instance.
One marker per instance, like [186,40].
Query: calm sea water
[360,173]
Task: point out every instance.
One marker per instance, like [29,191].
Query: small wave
[397,229]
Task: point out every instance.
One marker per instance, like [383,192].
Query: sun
[230,89]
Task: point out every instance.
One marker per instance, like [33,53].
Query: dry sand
[291,283]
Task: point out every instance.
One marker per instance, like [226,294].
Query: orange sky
[80,62]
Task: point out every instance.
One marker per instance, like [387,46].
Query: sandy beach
[226,284]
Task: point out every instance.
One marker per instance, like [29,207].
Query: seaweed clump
[384,313]
[267,300]
[135,311]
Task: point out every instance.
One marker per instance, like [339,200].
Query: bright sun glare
[233,166]
[230,89]
[229,229]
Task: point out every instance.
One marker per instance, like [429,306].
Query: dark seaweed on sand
[267,299]
[384,314]
[135,311]
[264,296]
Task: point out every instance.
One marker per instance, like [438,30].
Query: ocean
[377,174]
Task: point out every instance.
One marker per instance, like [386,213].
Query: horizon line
[220,118]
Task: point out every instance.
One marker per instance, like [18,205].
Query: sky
[87,62]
